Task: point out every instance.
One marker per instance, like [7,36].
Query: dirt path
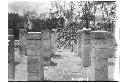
[68,68]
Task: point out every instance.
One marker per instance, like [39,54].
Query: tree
[108,9]
[36,25]
[15,22]
[87,15]
[29,17]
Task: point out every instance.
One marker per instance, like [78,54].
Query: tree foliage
[67,19]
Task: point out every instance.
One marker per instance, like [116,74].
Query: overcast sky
[39,6]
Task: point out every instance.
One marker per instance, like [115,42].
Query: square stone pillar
[11,56]
[22,42]
[101,67]
[84,47]
[53,38]
[103,48]
[35,61]
[46,46]
[79,44]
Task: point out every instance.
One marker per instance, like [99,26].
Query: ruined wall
[35,59]
[95,48]
[11,56]
[37,46]
[103,48]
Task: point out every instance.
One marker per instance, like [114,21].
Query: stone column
[102,49]
[11,56]
[22,42]
[49,46]
[54,37]
[79,40]
[85,47]
[46,44]
[35,61]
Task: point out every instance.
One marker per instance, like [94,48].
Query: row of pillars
[95,47]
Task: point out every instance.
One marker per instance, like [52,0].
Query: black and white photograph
[62,41]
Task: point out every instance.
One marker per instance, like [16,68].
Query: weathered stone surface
[22,42]
[11,56]
[84,47]
[86,57]
[45,35]
[104,47]
[111,69]
[95,48]
[79,45]
[34,35]
[53,42]
[33,64]
[48,42]
[34,77]
[35,60]
[11,71]
[87,34]
[11,49]
[36,45]
[87,42]
[99,35]
[105,52]
[33,44]
[33,47]
[21,73]
[22,50]
[103,43]
[101,70]
[46,45]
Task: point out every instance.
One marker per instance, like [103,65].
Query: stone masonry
[95,47]
[36,46]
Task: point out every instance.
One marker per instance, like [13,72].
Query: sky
[39,6]
[18,6]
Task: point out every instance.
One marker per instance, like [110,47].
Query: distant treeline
[67,21]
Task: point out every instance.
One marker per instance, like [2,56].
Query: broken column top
[34,35]
[85,33]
